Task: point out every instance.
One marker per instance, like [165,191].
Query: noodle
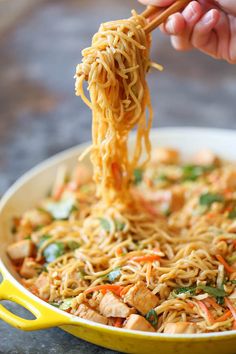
[155,237]
[115,67]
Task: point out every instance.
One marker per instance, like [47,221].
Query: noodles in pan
[140,244]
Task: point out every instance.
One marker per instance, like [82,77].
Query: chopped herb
[119,225]
[210,198]
[233,281]
[66,304]
[27,237]
[53,251]
[43,239]
[152,317]
[61,210]
[220,300]
[105,224]
[138,176]
[114,274]
[189,289]
[193,172]
[73,245]
[216,292]
[232,214]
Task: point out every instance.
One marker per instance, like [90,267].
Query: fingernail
[207,18]
[190,12]
[170,25]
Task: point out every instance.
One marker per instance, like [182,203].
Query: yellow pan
[34,186]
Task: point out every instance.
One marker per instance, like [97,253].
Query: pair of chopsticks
[161,14]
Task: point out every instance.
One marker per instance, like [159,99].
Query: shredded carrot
[224,317]
[225,264]
[147,258]
[213,303]
[118,322]
[234,243]
[231,307]
[58,192]
[205,310]
[211,215]
[119,251]
[116,289]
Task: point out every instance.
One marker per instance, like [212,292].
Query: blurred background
[40,45]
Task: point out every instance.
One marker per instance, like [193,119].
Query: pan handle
[44,316]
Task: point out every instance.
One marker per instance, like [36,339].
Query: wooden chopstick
[162,14]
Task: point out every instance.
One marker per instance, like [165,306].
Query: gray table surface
[39,114]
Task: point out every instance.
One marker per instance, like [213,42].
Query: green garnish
[220,300]
[61,210]
[27,237]
[232,214]
[53,251]
[189,289]
[43,239]
[210,198]
[119,225]
[105,224]
[138,176]
[193,172]
[66,304]
[73,245]
[152,317]
[233,281]
[114,274]
[216,292]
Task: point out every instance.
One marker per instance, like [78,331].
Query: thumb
[161,3]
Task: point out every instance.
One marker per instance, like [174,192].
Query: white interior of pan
[35,184]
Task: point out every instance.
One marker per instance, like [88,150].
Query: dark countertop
[39,114]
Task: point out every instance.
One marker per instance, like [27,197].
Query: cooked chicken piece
[36,217]
[138,323]
[228,180]
[112,306]
[177,198]
[165,156]
[89,314]
[180,327]
[29,268]
[141,298]
[232,227]
[43,285]
[19,250]
[205,158]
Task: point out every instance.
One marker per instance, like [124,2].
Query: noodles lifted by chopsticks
[115,67]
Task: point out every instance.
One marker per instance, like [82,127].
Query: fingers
[181,36]
[174,25]
[161,3]
[203,37]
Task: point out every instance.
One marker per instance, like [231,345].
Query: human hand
[208,25]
